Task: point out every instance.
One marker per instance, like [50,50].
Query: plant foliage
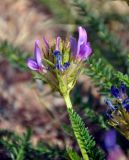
[86,140]
[14,147]
[14,55]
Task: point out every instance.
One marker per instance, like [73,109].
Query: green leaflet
[86,141]
[72,154]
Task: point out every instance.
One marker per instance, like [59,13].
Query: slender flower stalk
[69,106]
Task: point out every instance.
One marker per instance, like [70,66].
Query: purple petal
[73,45]
[85,51]
[31,63]
[115,92]
[109,104]
[88,51]
[46,43]
[57,44]
[82,34]
[37,53]
[82,38]
[123,88]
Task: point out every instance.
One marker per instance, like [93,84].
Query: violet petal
[73,45]
[115,92]
[32,64]
[46,44]
[85,51]
[37,53]
[82,39]
[82,34]
[57,44]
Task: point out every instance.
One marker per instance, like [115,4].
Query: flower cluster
[61,62]
[118,110]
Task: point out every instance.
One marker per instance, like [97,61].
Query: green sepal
[66,56]
[62,85]
[48,62]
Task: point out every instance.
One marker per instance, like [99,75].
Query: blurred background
[25,102]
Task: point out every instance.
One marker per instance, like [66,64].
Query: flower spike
[62,60]
[118,112]
[63,70]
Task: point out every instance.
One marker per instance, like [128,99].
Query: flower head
[120,95]
[81,50]
[118,109]
[63,68]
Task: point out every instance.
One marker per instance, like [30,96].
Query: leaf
[72,154]
[86,141]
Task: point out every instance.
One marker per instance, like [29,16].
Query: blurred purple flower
[110,139]
[36,62]
[81,50]
[116,154]
[110,105]
[120,92]
[114,151]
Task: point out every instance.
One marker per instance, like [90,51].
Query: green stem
[69,106]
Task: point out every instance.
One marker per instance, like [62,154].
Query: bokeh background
[26,102]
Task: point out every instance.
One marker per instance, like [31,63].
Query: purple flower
[57,48]
[114,151]
[58,60]
[66,65]
[36,62]
[81,50]
[116,154]
[115,92]
[110,105]
[58,57]
[110,139]
[120,92]
[125,104]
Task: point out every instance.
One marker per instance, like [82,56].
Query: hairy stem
[69,106]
